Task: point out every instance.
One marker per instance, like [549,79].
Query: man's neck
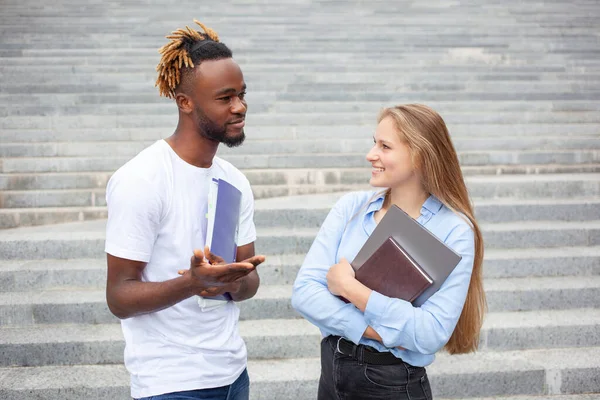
[193,148]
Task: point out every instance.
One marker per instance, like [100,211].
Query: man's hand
[232,287]
[205,275]
[214,276]
[213,259]
[338,277]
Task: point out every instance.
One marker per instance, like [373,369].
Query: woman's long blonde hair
[435,158]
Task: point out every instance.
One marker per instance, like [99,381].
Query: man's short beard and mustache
[211,130]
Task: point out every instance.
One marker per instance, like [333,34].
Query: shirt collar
[376,202]
[432,204]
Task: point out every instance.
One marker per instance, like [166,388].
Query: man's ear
[184,103]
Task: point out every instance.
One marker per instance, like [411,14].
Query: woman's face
[390,158]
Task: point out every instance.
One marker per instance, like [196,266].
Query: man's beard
[211,130]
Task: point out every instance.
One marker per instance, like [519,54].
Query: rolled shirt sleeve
[311,296]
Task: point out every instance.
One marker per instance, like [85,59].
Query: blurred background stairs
[518,84]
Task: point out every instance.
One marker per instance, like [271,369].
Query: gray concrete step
[418,92]
[31,168]
[550,69]
[292,212]
[336,55]
[264,101]
[101,74]
[501,235]
[299,182]
[169,120]
[49,187]
[533,372]
[64,103]
[524,373]
[322,159]
[49,131]
[503,294]
[480,187]
[417,43]
[259,71]
[86,239]
[15,217]
[77,306]
[468,146]
[49,274]
[77,344]
[310,211]
[267,89]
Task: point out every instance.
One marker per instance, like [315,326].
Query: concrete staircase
[518,84]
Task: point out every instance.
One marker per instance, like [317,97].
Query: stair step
[470,161]
[86,239]
[128,81]
[311,210]
[527,375]
[531,372]
[50,274]
[19,185]
[293,182]
[100,72]
[503,294]
[20,217]
[77,382]
[46,129]
[496,235]
[541,144]
[63,103]
[279,119]
[80,344]
[540,329]
[292,211]
[74,305]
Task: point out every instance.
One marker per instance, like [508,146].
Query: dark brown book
[392,272]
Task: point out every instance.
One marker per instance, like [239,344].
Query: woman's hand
[339,276]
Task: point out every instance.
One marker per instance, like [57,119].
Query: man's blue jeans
[238,390]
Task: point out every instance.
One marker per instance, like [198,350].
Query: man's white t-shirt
[157,206]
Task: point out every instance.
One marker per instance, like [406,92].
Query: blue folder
[223,219]
[224,202]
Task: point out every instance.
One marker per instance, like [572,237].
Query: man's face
[220,107]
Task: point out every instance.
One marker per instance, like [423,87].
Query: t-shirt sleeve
[134,214]
[247,230]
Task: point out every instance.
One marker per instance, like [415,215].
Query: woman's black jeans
[346,375]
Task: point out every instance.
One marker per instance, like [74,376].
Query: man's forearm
[131,298]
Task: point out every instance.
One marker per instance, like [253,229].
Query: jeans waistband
[364,354]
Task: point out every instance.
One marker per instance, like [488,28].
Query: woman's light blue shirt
[422,331]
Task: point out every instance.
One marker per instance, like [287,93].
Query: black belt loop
[361,354]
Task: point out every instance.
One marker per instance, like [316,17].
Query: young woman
[376,347]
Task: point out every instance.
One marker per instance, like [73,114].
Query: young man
[157,203]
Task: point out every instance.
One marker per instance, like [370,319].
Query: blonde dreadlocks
[186,49]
